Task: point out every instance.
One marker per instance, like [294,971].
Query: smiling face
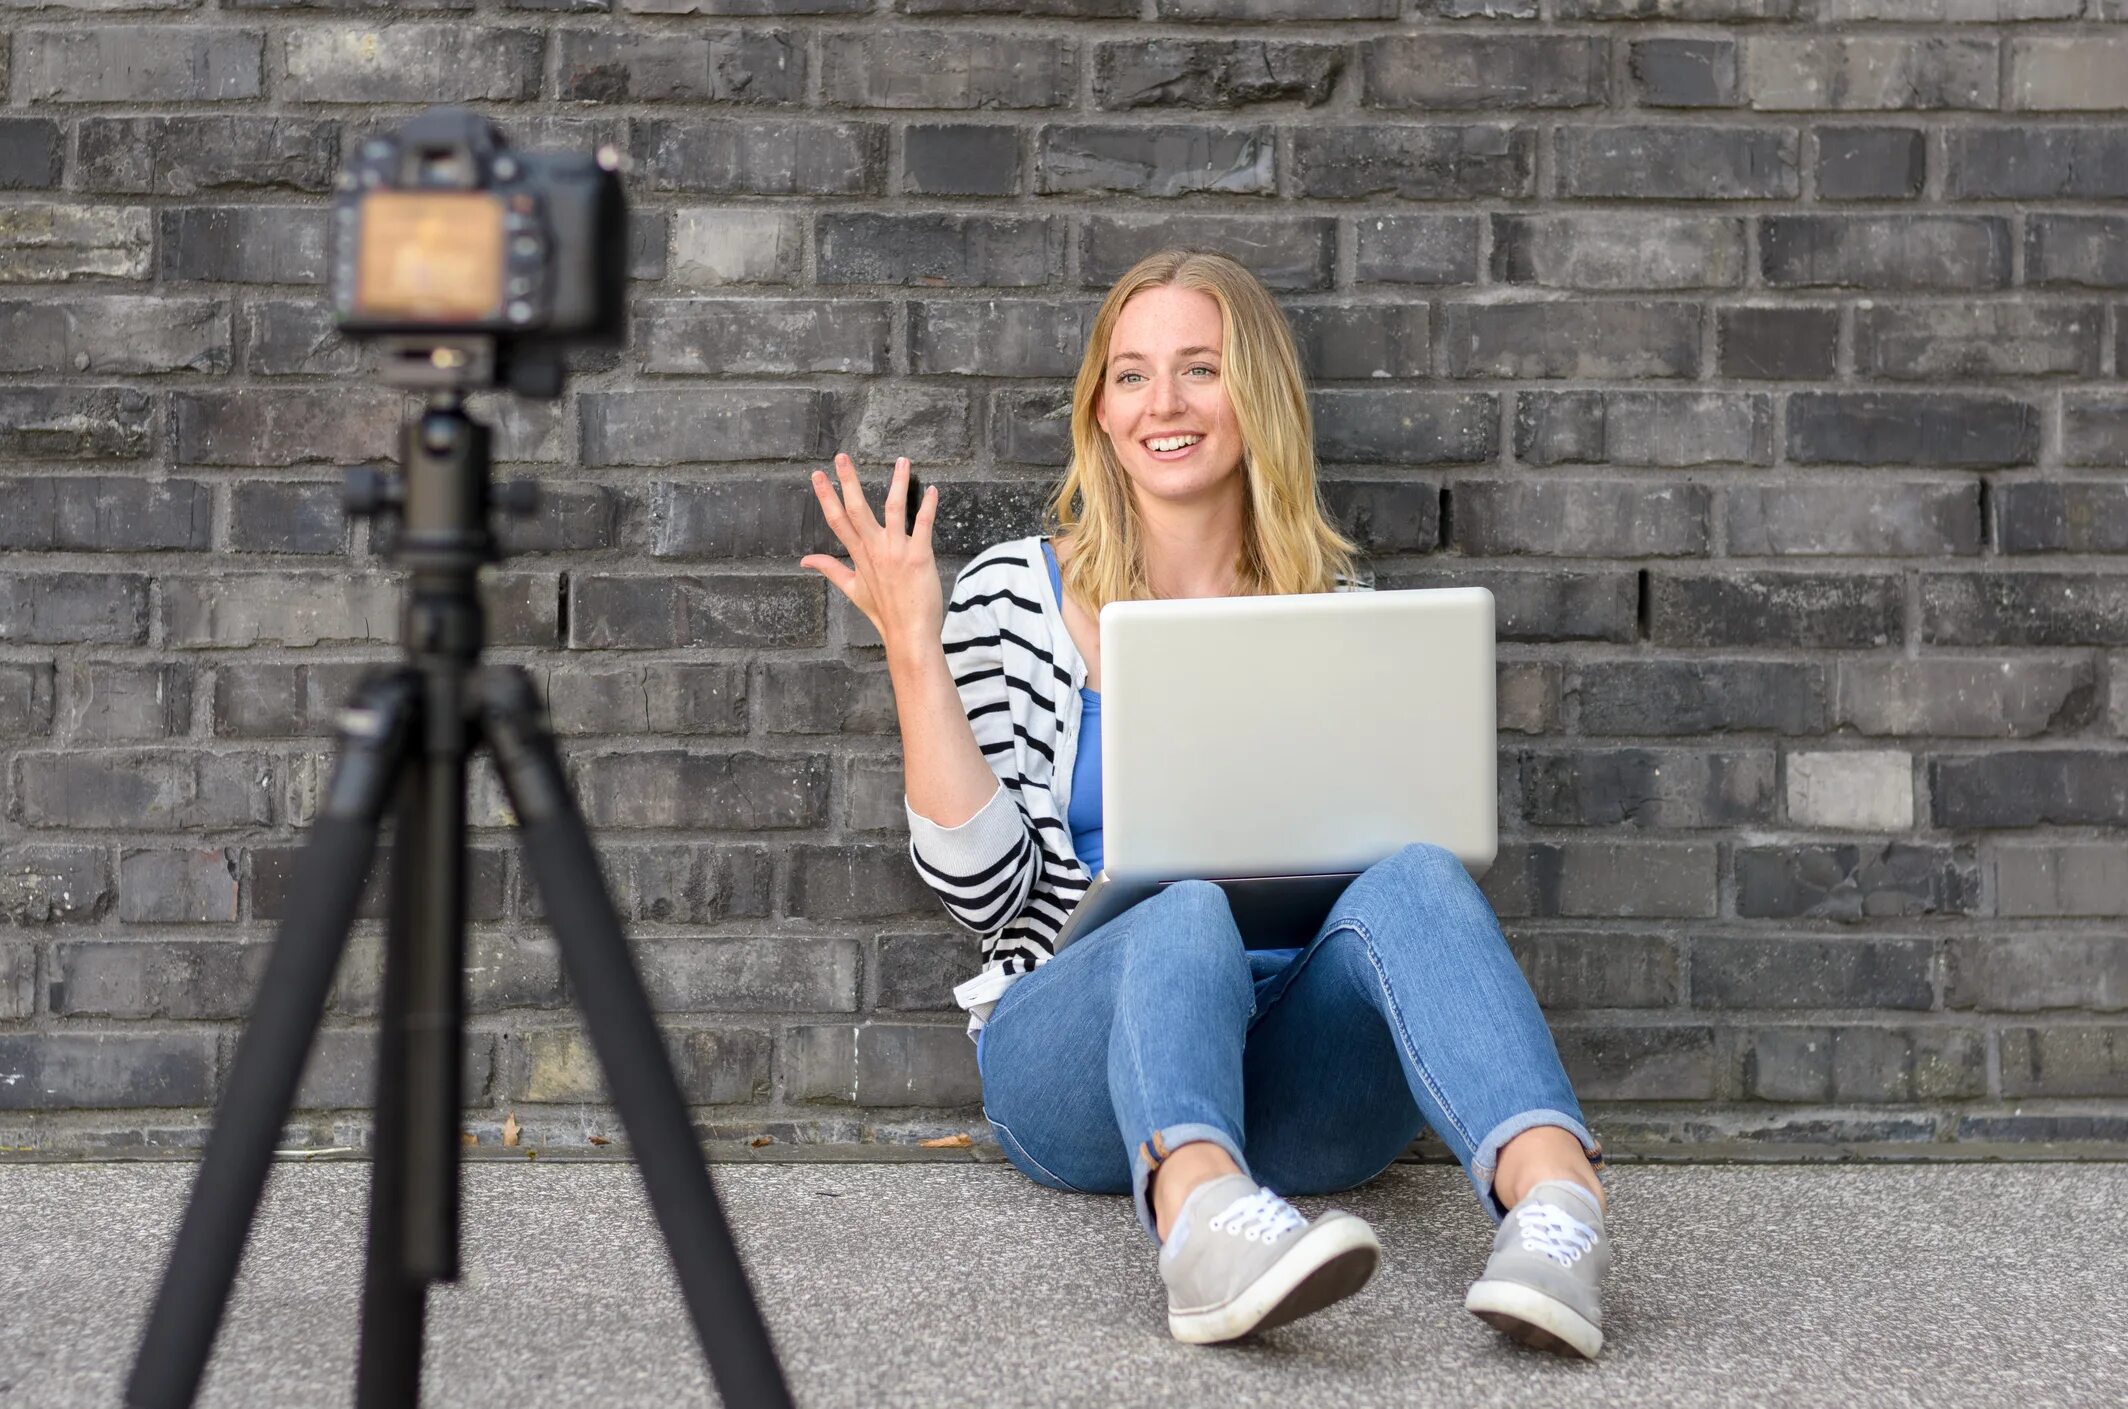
[1163,396]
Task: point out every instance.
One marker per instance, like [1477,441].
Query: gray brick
[1963,697]
[721,1066]
[1063,9]
[1885,252]
[2095,424]
[1678,162]
[106,1070]
[25,700]
[297,337]
[74,423]
[1313,10]
[74,608]
[245,244]
[178,156]
[105,514]
[48,243]
[916,972]
[2078,250]
[826,697]
[1285,253]
[749,974]
[760,157]
[286,609]
[1417,249]
[1791,610]
[754,7]
[1984,340]
[998,337]
[1858,1063]
[2024,609]
[717,66]
[960,159]
[670,788]
[871,792]
[1154,161]
[32,154]
[43,884]
[1615,1063]
[1870,519]
[666,428]
[1871,72]
[1777,343]
[1556,604]
[1950,11]
[1030,427]
[938,250]
[1361,342]
[2088,73]
[1643,788]
[18,981]
[1737,971]
[1403,426]
[2057,787]
[287,518]
[1870,163]
[284,426]
[1619,251]
[1213,73]
[1699,697]
[137,64]
[113,334]
[1431,162]
[777,518]
[1851,790]
[2084,1059]
[654,699]
[927,423]
[1685,73]
[274,870]
[2075,517]
[684,883]
[1707,11]
[1670,429]
[410,63]
[1389,515]
[177,887]
[881,1064]
[1912,428]
[2060,879]
[1581,518]
[741,246]
[947,69]
[142,791]
[649,613]
[1642,338]
[751,337]
[263,700]
[1598,969]
[860,882]
[2036,163]
[115,702]
[1613,880]
[340,1070]
[2029,973]
[1441,70]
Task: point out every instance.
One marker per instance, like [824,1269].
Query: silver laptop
[1279,746]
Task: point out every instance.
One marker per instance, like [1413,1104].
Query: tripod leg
[269,1056]
[630,1050]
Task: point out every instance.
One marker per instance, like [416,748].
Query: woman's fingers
[896,510]
[853,499]
[926,511]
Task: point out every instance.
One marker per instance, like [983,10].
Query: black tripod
[415,729]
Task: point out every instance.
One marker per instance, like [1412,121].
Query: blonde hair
[1289,544]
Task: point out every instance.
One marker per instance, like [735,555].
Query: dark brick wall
[1762,356]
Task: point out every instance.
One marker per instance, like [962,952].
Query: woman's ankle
[1179,1176]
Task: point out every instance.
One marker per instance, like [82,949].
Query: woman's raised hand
[892,577]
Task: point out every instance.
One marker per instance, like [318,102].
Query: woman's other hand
[892,576]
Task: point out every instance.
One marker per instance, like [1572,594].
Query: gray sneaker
[1543,1284]
[1240,1258]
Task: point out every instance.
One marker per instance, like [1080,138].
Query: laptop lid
[1287,735]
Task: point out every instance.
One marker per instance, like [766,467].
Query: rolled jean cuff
[1153,1153]
[1485,1161]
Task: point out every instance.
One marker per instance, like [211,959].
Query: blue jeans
[1405,1011]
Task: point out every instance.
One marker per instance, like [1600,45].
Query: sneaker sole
[1331,1261]
[1534,1319]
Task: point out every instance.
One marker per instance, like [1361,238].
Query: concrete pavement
[951,1284]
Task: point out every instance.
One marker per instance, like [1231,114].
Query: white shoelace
[1555,1233]
[1262,1215]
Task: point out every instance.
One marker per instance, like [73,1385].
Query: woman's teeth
[1171,443]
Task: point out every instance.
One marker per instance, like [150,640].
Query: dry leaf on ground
[948,1142]
[759,1140]
[600,1140]
[510,1128]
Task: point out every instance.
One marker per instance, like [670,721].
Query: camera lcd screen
[430,256]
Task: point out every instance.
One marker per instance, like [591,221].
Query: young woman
[1158,1056]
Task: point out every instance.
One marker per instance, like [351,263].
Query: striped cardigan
[1009,873]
